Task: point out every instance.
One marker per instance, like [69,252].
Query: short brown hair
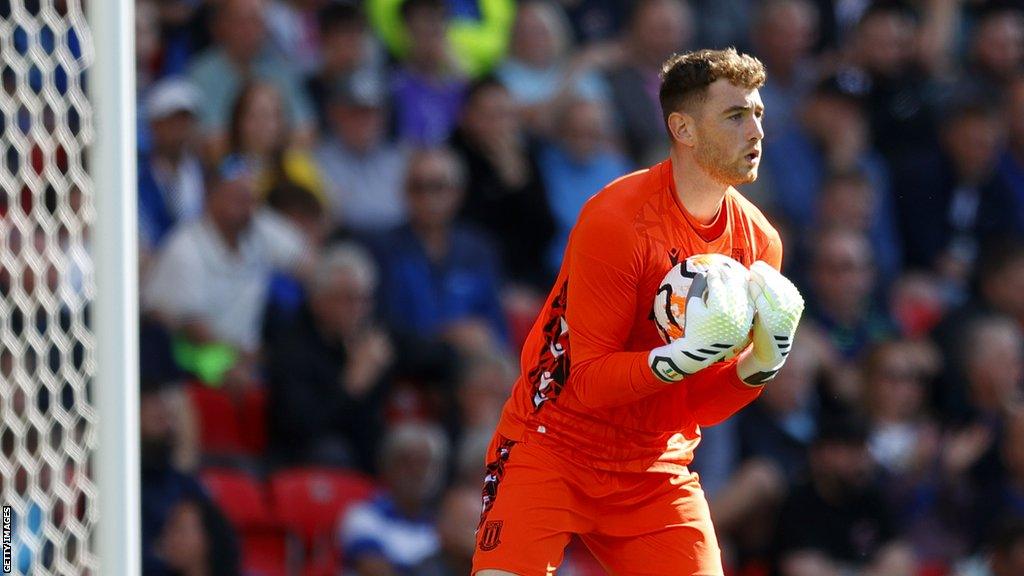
[685,77]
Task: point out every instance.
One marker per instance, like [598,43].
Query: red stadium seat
[253,421]
[310,500]
[266,551]
[219,429]
[240,496]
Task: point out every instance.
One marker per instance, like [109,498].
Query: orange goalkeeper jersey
[586,390]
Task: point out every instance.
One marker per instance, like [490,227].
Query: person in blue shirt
[439,278]
[396,529]
[576,166]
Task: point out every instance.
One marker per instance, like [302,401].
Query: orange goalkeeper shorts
[636,524]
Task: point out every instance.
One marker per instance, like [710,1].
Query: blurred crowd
[350,212]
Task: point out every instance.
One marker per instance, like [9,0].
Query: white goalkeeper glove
[779,306]
[717,319]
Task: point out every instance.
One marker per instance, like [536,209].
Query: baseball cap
[170,96]
[364,89]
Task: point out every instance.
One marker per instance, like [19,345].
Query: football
[685,280]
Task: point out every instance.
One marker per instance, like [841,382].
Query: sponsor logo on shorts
[490,537]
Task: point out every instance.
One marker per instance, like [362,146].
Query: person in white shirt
[210,281]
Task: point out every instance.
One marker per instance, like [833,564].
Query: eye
[735,116]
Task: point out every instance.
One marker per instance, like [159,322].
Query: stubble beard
[714,162]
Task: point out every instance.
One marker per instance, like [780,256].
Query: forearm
[716,393]
[615,379]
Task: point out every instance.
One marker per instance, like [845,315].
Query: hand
[370,356]
[718,318]
[779,306]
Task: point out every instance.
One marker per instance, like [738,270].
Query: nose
[758,130]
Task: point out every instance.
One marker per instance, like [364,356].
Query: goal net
[47,353]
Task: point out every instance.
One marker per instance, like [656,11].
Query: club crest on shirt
[491,535]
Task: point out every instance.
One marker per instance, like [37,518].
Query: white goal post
[69,474]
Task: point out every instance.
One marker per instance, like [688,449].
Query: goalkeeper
[598,432]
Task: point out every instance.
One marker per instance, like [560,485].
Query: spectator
[906,441]
[842,284]
[1000,501]
[505,194]
[851,200]
[832,138]
[539,72]
[427,88]
[841,300]
[1008,549]
[784,33]
[768,448]
[898,91]
[439,278]
[292,28]
[396,530]
[169,496]
[329,376]
[147,44]
[999,290]
[171,188]
[837,521]
[456,527]
[210,281]
[365,170]
[1011,164]
[259,133]
[576,165]
[476,36]
[903,437]
[241,53]
[954,202]
[996,50]
[656,30]
[483,387]
[347,47]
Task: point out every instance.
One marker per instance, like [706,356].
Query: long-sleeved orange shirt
[586,390]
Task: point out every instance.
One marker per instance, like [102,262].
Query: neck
[426,67]
[171,158]
[700,194]
[411,507]
[434,239]
[228,234]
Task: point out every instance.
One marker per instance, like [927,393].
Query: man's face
[242,28]
[974,142]
[842,272]
[345,305]
[173,134]
[433,194]
[660,29]
[427,31]
[729,133]
[584,130]
[885,43]
[999,44]
[233,204]
[359,127]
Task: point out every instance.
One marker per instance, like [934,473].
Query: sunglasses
[430,185]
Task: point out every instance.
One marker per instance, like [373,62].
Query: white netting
[47,422]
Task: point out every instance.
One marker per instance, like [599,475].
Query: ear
[682,127]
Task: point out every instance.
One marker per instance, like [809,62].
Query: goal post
[111,82]
[69,473]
